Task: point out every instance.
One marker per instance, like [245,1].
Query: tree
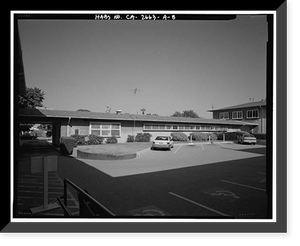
[190,114]
[32,98]
[177,114]
[186,113]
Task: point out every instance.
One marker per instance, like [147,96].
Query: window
[198,127]
[175,127]
[237,115]
[169,127]
[147,127]
[192,127]
[154,127]
[77,131]
[161,127]
[181,127]
[224,115]
[105,129]
[252,114]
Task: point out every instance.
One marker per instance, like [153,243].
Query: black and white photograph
[144,116]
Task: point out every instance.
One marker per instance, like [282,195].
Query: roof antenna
[107,109]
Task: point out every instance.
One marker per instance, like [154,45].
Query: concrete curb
[99,156]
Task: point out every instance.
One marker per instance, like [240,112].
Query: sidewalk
[29,187]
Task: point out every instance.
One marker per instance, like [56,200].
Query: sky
[174,65]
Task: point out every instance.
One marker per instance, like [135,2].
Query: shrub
[260,135]
[143,137]
[199,136]
[80,139]
[67,144]
[111,140]
[230,136]
[28,136]
[130,139]
[88,139]
[179,136]
[94,140]
[213,136]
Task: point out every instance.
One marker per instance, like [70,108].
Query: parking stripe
[200,205]
[178,149]
[248,186]
[202,147]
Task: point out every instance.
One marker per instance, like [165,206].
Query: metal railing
[88,206]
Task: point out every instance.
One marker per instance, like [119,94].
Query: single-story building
[67,123]
[251,112]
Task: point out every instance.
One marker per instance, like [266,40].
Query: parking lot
[221,180]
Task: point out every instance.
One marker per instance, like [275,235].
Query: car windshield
[161,138]
[249,135]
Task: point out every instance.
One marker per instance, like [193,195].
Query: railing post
[65,193]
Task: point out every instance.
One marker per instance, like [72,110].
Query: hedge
[94,139]
[179,136]
[130,139]
[67,144]
[143,137]
[230,136]
[260,135]
[111,140]
[88,139]
[203,136]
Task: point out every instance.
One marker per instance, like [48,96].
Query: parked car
[246,138]
[163,142]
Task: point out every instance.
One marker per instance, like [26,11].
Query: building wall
[131,128]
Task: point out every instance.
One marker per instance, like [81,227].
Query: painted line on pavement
[248,186]
[202,147]
[200,205]
[178,149]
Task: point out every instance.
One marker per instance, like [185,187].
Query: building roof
[51,113]
[261,103]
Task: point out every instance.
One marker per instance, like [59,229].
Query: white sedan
[247,138]
[163,142]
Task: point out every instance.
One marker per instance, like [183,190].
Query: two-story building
[252,112]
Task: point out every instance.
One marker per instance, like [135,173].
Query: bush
[260,135]
[88,139]
[179,136]
[28,136]
[67,144]
[94,140]
[130,139]
[230,136]
[213,136]
[199,136]
[143,137]
[112,140]
[80,139]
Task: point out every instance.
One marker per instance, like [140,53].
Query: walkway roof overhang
[50,115]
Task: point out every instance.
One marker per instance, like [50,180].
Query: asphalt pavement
[221,181]
[204,181]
